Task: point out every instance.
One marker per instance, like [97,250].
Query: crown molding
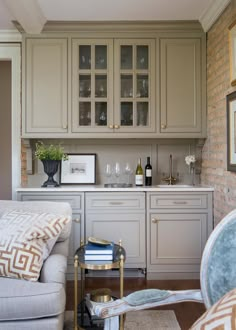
[212,12]
[10,36]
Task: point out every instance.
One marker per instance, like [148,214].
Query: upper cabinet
[180,85]
[92,85]
[45,77]
[134,92]
[140,83]
[112,86]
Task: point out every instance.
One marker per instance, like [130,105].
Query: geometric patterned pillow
[23,242]
[222,315]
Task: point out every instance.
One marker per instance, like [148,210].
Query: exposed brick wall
[214,154]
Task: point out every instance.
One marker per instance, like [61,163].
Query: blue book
[100,257]
[91,248]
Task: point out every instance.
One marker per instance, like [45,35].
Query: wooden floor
[187,313]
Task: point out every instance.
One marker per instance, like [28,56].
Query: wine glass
[108,172]
[117,171]
[128,171]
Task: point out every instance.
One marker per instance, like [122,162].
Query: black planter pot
[50,168]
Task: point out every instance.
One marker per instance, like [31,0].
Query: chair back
[218,265]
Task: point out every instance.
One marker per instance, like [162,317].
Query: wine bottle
[148,173]
[139,174]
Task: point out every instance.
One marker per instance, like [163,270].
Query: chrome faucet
[170,179]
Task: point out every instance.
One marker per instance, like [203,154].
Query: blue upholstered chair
[217,276]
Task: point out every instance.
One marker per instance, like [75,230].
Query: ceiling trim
[212,12]
[28,14]
[10,36]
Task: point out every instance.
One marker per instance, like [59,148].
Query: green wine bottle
[139,174]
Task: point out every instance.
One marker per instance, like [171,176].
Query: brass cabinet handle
[163,126]
[180,202]
[77,220]
[116,203]
[154,220]
[111,126]
[117,126]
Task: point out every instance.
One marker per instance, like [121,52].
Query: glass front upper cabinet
[134,85]
[92,85]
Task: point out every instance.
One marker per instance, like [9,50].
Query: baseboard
[172,276]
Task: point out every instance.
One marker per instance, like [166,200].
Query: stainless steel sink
[173,186]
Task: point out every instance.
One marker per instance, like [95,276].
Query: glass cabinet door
[92,85]
[134,85]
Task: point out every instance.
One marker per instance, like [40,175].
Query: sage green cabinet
[140,81]
[178,225]
[113,87]
[182,87]
[119,216]
[45,86]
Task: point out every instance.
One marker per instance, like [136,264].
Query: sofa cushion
[220,316]
[23,242]
[22,300]
[54,269]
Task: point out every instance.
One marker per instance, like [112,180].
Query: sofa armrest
[54,269]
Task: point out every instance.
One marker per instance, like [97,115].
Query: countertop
[96,188]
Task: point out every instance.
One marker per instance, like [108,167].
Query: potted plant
[51,157]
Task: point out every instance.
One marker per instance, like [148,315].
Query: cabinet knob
[117,126]
[154,220]
[77,220]
[111,126]
[163,126]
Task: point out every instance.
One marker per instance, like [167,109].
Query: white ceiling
[32,14]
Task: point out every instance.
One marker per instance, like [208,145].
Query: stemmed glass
[108,172]
[128,171]
[117,171]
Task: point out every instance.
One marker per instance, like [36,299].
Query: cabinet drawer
[120,201]
[76,201]
[175,201]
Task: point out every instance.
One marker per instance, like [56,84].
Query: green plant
[50,152]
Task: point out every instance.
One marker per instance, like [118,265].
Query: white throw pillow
[23,242]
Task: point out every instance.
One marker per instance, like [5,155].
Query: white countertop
[96,188]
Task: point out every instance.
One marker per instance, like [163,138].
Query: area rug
[140,320]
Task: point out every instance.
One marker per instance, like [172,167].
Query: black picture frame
[79,169]
[231,131]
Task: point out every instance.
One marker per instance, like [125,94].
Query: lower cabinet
[76,200]
[178,226]
[119,216]
[163,233]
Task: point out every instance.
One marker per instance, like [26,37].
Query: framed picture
[78,169]
[231,132]
[232,53]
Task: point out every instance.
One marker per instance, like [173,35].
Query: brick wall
[214,153]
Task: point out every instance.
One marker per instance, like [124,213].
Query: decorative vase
[50,168]
[192,172]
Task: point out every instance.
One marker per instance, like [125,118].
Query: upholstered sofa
[31,303]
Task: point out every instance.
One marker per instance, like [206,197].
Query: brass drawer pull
[77,220]
[180,202]
[116,203]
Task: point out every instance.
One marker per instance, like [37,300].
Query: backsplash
[122,151]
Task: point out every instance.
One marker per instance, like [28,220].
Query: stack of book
[98,252]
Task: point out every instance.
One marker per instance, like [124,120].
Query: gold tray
[98,241]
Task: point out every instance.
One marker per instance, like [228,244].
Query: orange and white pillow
[221,316]
[23,242]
